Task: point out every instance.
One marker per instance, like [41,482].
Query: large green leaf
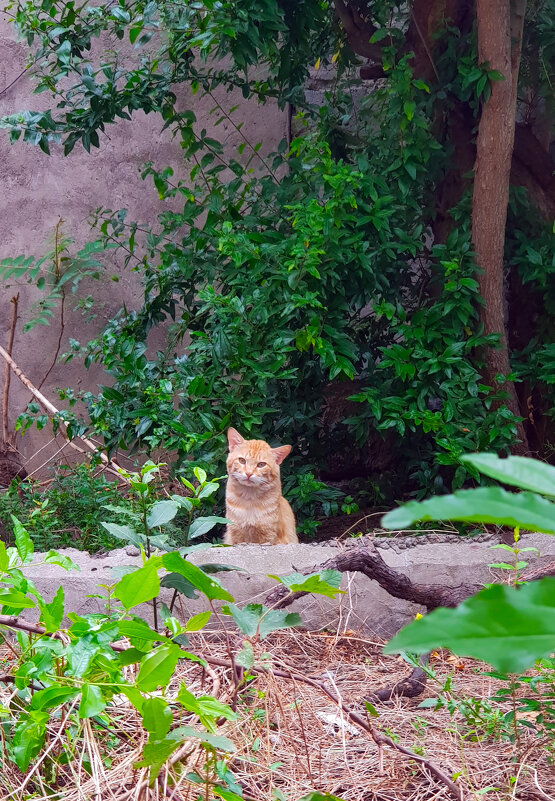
[140,586]
[161,513]
[509,627]
[519,471]
[207,585]
[483,505]
[157,668]
[202,525]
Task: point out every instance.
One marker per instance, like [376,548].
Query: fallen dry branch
[369,561]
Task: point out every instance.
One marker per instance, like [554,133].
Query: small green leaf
[178,582]
[157,668]
[157,717]
[92,702]
[255,617]
[198,622]
[156,753]
[209,586]
[52,697]
[371,709]
[140,586]
[55,558]
[29,735]
[409,108]
[138,632]
[161,513]
[214,567]
[16,600]
[51,614]
[215,740]
[245,657]
[125,533]
[23,541]
[202,525]
[325,583]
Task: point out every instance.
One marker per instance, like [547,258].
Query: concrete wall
[37,190]
[364,606]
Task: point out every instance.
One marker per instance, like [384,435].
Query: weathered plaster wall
[37,190]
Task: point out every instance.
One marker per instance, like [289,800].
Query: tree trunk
[492,169]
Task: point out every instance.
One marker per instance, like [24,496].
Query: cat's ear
[234,438]
[281,452]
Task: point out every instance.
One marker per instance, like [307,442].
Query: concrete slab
[364,606]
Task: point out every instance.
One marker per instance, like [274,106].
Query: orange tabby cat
[254,503]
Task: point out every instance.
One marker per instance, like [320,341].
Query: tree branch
[52,409]
[358,30]
[7,372]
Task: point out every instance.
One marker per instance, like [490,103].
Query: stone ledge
[365,606]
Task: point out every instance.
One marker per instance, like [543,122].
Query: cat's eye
[241,460]
[261,464]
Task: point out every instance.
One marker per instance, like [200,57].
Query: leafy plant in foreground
[76,672]
[511,627]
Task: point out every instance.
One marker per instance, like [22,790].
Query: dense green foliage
[318,266]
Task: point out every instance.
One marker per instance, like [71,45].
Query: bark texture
[499,44]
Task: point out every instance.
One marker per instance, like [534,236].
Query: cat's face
[252,462]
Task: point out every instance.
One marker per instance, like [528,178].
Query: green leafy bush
[76,671]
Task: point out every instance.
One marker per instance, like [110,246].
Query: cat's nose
[248,475]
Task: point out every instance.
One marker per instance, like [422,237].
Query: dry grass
[291,738]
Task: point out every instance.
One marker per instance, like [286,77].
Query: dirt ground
[291,738]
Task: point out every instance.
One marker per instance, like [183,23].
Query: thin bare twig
[52,409]
[7,372]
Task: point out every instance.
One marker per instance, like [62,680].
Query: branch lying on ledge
[369,562]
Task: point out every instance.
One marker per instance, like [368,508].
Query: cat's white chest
[247,515]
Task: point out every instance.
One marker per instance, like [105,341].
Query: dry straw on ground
[291,738]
